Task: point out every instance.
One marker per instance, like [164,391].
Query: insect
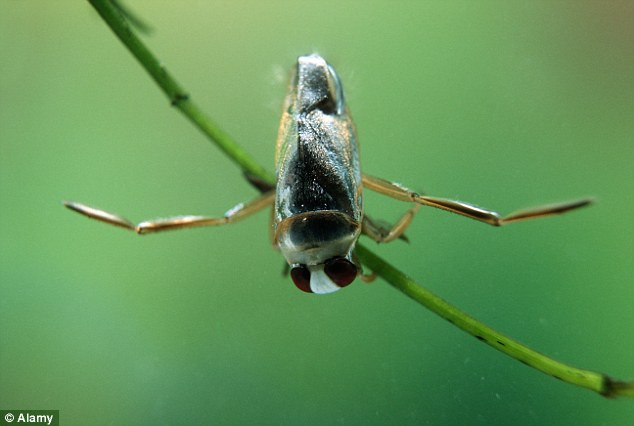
[318,198]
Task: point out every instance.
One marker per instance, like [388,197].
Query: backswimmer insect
[318,199]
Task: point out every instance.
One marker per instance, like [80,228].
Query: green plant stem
[178,97]
[597,382]
[594,381]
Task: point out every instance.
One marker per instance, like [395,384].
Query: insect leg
[382,234]
[365,277]
[235,214]
[492,218]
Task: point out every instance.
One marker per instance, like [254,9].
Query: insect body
[318,203]
[318,200]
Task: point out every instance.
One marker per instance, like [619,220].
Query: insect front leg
[235,214]
[492,218]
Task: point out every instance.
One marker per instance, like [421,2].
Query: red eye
[341,271]
[301,277]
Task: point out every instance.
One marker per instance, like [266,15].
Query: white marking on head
[319,281]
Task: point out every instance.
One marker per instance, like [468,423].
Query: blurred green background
[504,104]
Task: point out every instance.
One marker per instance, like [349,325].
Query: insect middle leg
[492,218]
[235,214]
[383,234]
